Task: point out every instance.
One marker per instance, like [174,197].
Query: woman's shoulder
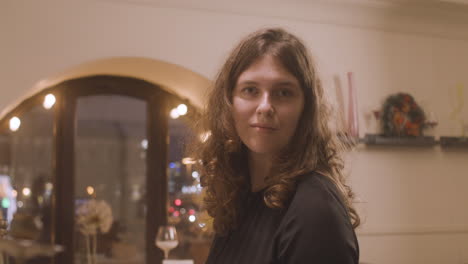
[315,184]
[316,226]
[316,195]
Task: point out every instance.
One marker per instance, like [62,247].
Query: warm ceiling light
[182,109]
[49,101]
[174,113]
[15,123]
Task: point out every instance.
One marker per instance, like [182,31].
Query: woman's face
[267,104]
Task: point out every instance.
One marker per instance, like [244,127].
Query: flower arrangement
[402,116]
[93,216]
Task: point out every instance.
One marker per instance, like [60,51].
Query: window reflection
[26,175]
[185,205]
[110,178]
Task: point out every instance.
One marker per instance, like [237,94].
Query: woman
[271,166]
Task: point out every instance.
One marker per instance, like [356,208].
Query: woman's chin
[263,151]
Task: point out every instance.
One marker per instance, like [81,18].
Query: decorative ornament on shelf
[402,116]
[93,216]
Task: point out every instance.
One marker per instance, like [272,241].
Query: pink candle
[353,122]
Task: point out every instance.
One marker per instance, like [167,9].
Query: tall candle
[353,122]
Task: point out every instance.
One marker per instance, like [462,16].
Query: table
[23,250]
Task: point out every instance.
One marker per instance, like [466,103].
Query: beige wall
[413,201]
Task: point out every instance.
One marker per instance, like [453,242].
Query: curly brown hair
[314,147]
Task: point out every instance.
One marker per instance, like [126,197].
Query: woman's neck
[260,166]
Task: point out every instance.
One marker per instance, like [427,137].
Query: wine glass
[166,239]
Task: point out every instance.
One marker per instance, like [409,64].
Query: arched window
[103,138]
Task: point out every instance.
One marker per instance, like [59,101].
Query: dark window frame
[159,102]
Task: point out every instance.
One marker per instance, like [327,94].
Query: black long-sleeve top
[314,228]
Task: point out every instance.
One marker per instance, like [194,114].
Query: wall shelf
[452,143]
[379,140]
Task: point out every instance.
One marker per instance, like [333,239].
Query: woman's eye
[249,90]
[284,93]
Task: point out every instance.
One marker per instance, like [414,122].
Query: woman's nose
[265,106]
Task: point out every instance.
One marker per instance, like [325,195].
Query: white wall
[413,200]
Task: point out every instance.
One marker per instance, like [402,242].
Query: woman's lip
[266,128]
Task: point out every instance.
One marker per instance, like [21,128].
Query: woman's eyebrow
[278,83]
[249,82]
[287,83]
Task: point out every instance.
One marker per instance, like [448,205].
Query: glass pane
[185,208]
[26,175]
[110,177]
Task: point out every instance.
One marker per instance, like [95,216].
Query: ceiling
[405,2]
[444,18]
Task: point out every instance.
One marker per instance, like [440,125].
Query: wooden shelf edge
[454,142]
[379,140]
